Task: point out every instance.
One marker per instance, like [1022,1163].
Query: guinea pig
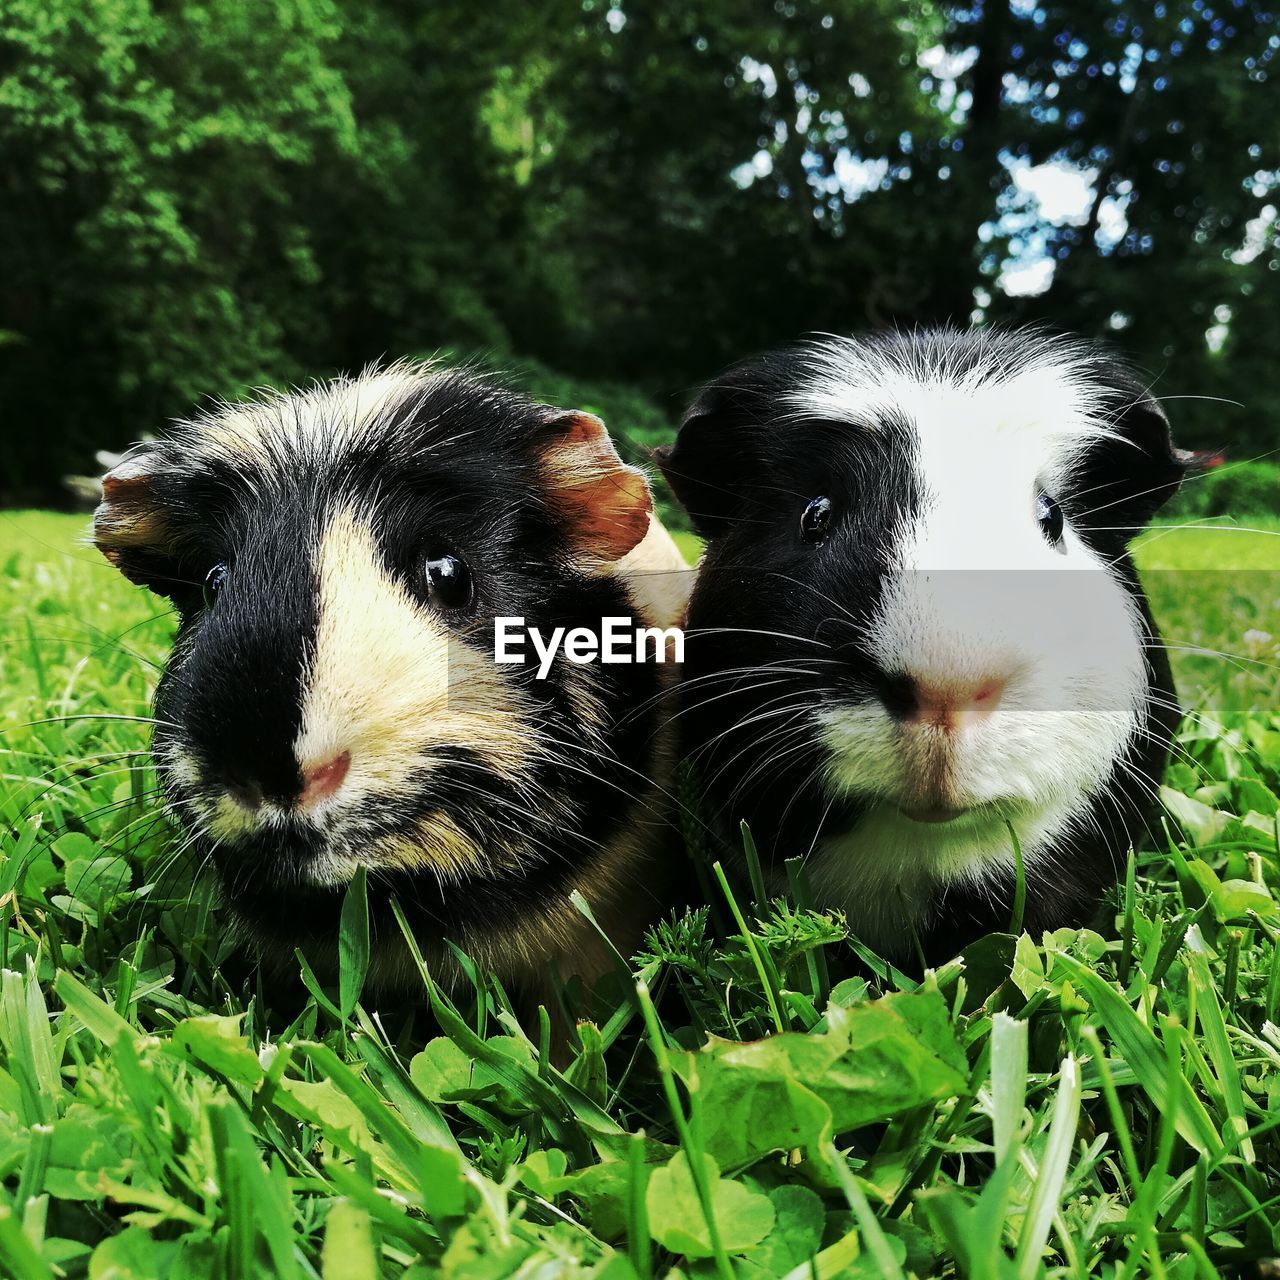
[338,557]
[916,626]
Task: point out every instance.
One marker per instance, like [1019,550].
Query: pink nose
[952,704]
[324,779]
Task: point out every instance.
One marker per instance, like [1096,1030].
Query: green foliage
[207,195]
[214,195]
[151,242]
[1076,1104]
[1235,489]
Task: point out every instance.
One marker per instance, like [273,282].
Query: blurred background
[616,197]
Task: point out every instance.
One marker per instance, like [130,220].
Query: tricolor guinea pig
[338,557]
[916,627]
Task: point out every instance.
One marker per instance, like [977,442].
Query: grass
[1081,1104]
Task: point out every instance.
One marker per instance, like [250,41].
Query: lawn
[1082,1104]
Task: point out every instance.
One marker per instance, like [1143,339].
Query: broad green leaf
[218,1043]
[98,879]
[322,1103]
[75,846]
[1235,899]
[874,1061]
[1254,795]
[130,1255]
[987,964]
[796,1237]
[602,1190]
[542,1170]
[1028,968]
[444,1073]
[1201,823]
[742,1217]
[349,1252]
[87,1145]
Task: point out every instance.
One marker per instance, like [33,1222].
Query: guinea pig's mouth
[938,814]
[293,850]
[285,856]
[933,813]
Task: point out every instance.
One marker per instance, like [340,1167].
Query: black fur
[752,672]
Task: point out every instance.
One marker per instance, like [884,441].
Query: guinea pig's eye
[213,581]
[448,581]
[1049,518]
[815,521]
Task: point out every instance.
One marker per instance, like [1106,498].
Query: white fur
[324,421]
[978,593]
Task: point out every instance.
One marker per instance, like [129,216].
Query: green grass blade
[17,1254]
[1008,1081]
[422,1117]
[98,1017]
[692,1149]
[1020,884]
[1214,1036]
[754,870]
[1052,1175]
[872,1233]
[561,1106]
[353,943]
[768,978]
[639,1243]
[1140,1049]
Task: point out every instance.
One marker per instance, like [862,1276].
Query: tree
[1172,112]
[208,195]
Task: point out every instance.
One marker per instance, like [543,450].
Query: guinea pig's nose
[323,779]
[942,703]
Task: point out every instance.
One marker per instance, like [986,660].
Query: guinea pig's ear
[133,524]
[710,464]
[1131,475]
[604,503]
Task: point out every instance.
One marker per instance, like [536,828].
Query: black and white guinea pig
[916,622]
[337,557]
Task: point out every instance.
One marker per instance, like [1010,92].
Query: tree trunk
[976,172]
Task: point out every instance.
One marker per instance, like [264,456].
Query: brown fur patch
[129,518]
[605,503]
